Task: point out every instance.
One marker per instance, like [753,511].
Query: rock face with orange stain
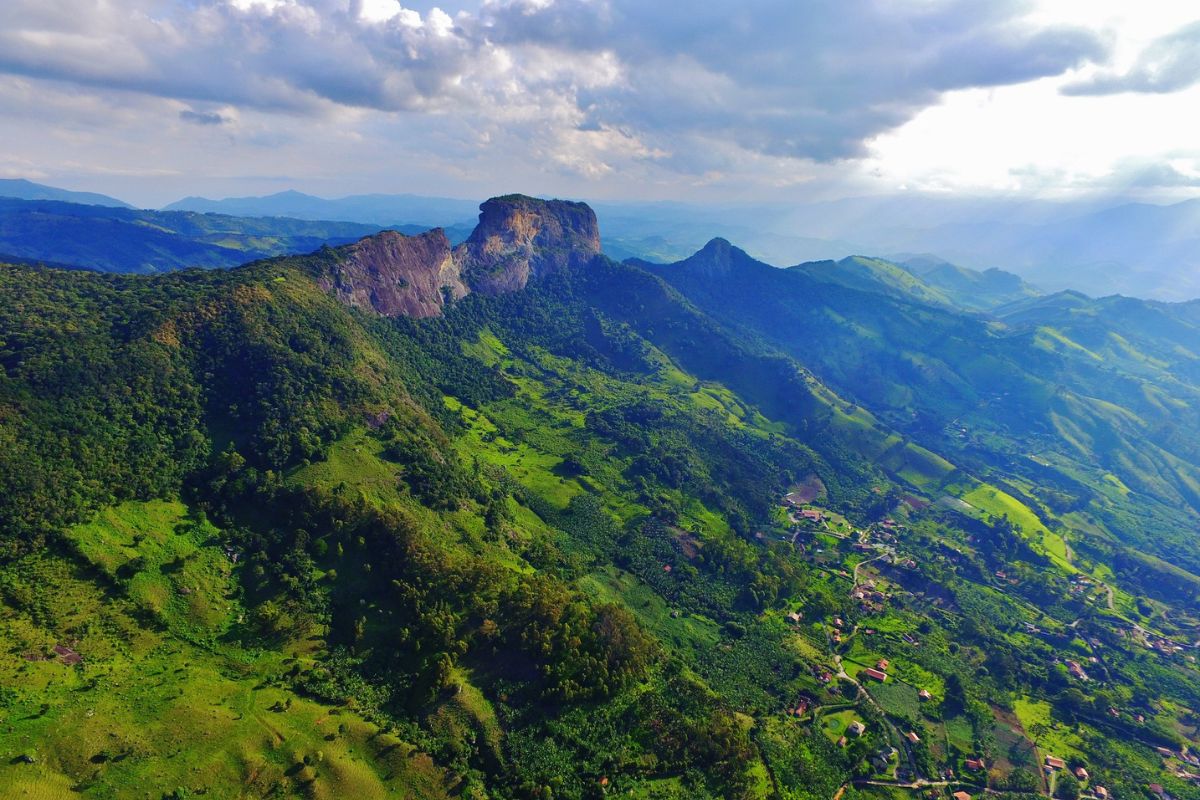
[517,239]
[396,275]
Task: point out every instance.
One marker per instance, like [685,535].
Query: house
[1081,773]
[976,764]
[812,515]
[1100,792]
[961,796]
[794,617]
[875,674]
[856,728]
[1053,762]
[912,737]
[924,695]
[882,665]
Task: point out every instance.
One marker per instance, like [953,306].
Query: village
[889,710]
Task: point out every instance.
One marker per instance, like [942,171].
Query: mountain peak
[520,237]
[719,257]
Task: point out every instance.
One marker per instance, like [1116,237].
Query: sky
[757,100]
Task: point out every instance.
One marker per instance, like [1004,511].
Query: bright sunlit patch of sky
[1031,138]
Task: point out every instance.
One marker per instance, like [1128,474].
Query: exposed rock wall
[393,274]
[517,239]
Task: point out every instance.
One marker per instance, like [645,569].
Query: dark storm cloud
[1169,64]
[814,80]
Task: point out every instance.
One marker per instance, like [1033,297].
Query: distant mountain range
[1135,249]
[385,210]
[116,239]
[27,190]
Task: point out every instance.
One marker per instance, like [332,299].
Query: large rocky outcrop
[518,238]
[393,274]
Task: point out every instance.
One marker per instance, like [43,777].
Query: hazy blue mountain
[878,275]
[28,190]
[973,289]
[1098,247]
[1136,249]
[376,209]
[129,240]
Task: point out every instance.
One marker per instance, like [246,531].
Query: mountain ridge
[23,189]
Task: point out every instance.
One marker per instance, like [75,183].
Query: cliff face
[393,274]
[518,238]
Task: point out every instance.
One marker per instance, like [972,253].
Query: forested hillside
[570,531]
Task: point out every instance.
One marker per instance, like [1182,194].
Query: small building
[924,695]
[856,728]
[912,737]
[875,674]
[1157,789]
[1054,762]
[812,515]
[960,795]
[976,764]
[1100,792]
[794,617]
[1081,773]
[882,664]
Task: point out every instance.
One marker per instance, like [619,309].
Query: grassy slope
[168,696]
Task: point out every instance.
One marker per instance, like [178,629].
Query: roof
[962,796]
[875,674]
[1055,762]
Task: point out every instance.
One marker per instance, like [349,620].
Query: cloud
[645,80]
[1169,64]
[204,117]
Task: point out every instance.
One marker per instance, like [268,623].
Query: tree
[1066,787]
